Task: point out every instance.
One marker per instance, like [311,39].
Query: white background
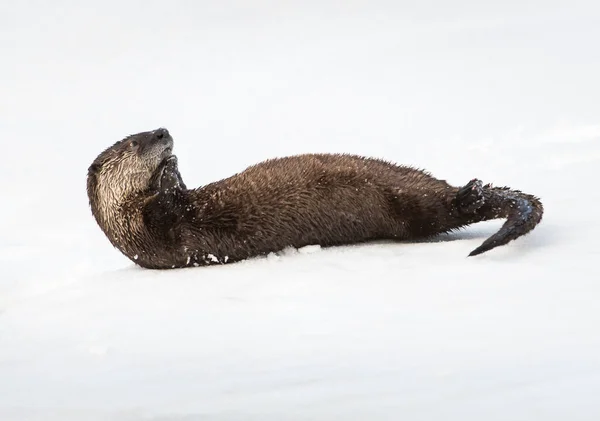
[504,91]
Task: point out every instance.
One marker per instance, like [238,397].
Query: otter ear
[93,169]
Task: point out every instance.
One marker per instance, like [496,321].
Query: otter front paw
[170,178]
[166,178]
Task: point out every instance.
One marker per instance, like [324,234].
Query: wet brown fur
[148,213]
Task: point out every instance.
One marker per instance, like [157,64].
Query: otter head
[123,170]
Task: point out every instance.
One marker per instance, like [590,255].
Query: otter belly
[250,225]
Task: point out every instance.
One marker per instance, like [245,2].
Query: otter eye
[133,144]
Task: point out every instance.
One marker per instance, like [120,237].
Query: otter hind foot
[470,197]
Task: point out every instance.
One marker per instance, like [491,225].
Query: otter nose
[161,133]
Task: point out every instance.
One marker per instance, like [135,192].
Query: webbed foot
[470,197]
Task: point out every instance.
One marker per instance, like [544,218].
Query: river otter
[141,203]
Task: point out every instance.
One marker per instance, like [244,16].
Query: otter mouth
[167,147]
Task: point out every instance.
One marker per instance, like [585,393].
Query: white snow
[309,249]
[503,91]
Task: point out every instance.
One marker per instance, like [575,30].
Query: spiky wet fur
[326,199]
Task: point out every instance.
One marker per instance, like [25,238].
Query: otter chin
[139,200]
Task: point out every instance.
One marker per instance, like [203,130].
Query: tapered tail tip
[482,249]
[475,252]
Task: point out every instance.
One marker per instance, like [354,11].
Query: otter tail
[522,211]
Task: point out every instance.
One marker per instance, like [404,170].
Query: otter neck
[119,214]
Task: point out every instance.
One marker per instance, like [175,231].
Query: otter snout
[162,137]
[160,134]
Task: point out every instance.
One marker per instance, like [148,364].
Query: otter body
[141,203]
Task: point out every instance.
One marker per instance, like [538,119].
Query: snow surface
[503,91]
